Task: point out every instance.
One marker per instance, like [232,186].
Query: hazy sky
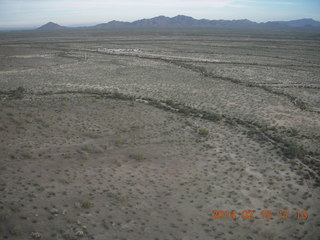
[22,13]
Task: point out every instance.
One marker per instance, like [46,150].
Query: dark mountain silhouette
[186,21]
[178,21]
[300,23]
[161,20]
[306,22]
[51,26]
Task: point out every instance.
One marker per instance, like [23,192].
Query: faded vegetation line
[194,60]
[203,60]
[182,63]
[290,150]
[295,100]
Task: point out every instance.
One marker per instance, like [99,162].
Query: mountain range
[186,21]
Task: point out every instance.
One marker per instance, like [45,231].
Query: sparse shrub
[91,149]
[4,215]
[203,132]
[263,127]
[17,93]
[79,233]
[25,155]
[16,207]
[86,204]
[91,135]
[119,141]
[293,132]
[70,219]
[36,235]
[299,103]
[15,231]
[54,211]
[118,95]
[292,150]
[170,102]
[137,156]
[212,116]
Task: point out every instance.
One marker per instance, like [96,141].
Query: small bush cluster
[16,231]
[292,150]
[17,93]
[86,204]
[118,95]
[203,132]
[212,116]
[137,156]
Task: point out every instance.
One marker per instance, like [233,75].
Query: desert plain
[144,133]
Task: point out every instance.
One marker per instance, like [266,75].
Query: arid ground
[144,134]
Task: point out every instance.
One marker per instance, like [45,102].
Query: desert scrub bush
[292,150]
[86,204]
[91,149]
[185,110]
[177,106]
[118,95]
[119,141]
[263,127]
[2,127]
[79,233]
[293,132]
[17,93]
[25,155]
[170,102]
[16,207]
[212,116]
[91,135]
[203,132]
[15,231]
[4,214]
[36,235]
[137,156]
[299,103]
[69,219]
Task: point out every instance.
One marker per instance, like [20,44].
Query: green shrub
[170,102]
[86,204]
[17,93]
[292,150]
[212,116]
[4,214]
[203,132]
[16,231]
[16,207]
[137,156]
[90,148]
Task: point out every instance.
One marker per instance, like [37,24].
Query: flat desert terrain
[160,134]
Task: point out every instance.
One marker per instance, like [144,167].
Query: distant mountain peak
[303,22]
[51,26]
[182,17]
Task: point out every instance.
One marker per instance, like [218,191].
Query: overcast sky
[32,13]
